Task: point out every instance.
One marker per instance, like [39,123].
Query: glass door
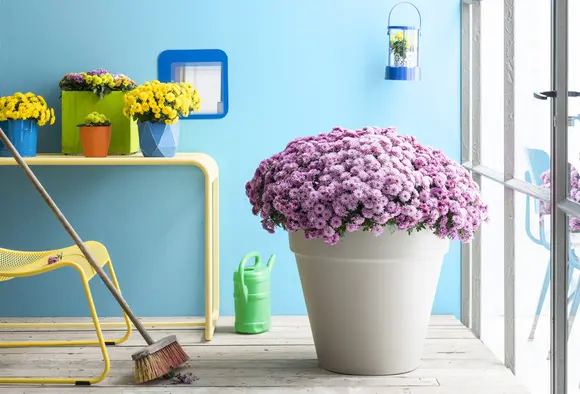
[566,367]
[561,209]
[521,96]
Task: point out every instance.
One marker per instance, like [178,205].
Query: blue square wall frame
[171,59]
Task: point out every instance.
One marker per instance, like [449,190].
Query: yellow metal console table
[210,170]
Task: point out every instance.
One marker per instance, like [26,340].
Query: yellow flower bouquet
[24,107]
[20,116]
[156,107]
[158,102]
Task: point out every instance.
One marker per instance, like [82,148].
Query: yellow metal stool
[16,264]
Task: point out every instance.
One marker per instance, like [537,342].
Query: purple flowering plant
[573,194]
[98,81]
[365,179]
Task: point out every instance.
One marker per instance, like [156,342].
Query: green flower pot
[77,105]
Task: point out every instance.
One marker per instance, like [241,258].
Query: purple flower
[394,189]
[358,220]
[405,195]
[351,180]
[179,378]
[378,230]
[367,213]
[98,71]
[352,227]
[76,77]
[358,193]
[336,221]
[319,223]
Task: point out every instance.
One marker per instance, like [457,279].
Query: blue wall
[296,68]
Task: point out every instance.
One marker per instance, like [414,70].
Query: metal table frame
[210,171]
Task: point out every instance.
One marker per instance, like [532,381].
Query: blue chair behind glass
[538,163]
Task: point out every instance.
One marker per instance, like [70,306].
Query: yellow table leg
[216,260]
[211,256]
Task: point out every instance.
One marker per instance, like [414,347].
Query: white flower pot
[369,298]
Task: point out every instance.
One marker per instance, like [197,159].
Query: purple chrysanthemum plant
[574,195]
[366,179]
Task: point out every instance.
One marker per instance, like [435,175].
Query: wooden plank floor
[282,360]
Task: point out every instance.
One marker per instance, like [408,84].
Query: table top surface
[201,160]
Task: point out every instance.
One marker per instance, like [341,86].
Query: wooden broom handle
[70,230]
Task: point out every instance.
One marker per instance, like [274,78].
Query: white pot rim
[376,247]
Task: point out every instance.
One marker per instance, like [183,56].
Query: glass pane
[574,194]
[574,102]
[532,257]
[532,116]
[532,160]
[492,295]
[573,303]
[207,79]
[492,84]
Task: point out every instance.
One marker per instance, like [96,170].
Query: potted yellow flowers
[95,135]
[156,107]
[20,116]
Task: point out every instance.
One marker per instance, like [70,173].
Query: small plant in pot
[95,134]
[369,215]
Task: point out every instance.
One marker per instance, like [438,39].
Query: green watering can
[252,295]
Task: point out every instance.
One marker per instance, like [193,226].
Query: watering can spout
[271,262]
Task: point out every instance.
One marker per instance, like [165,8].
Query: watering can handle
[411,4]
[247,257]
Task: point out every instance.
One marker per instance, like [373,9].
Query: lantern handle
[411,4]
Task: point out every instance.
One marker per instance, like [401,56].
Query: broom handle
[69,229]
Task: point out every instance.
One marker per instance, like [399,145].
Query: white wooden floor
[532,364]
[280,361]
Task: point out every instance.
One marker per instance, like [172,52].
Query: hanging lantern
[403,56]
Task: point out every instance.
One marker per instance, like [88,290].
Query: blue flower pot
[24,136]
[158,139]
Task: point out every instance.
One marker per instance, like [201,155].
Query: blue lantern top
[403,57]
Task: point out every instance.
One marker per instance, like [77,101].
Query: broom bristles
[159,363]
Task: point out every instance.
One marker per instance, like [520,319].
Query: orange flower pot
[95,140]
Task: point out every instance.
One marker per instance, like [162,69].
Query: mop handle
[69,229]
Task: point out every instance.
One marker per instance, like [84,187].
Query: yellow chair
[15,264]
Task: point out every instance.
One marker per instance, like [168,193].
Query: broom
[152,362]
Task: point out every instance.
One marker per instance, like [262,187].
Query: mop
[152,362]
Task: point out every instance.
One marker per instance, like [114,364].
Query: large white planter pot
[369,298]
